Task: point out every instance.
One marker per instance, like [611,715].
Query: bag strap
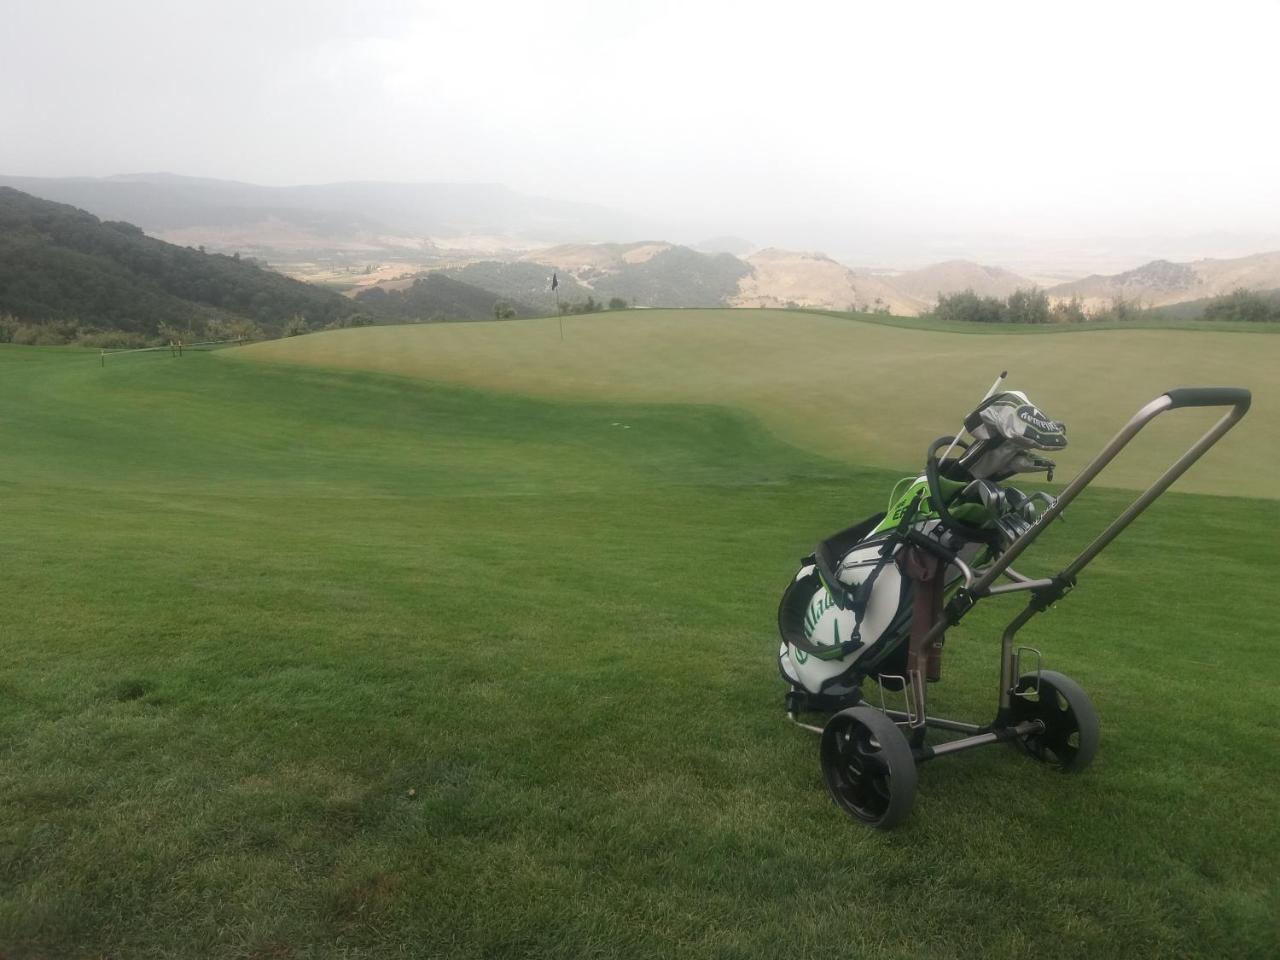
[845,598]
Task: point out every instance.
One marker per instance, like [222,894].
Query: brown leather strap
[926,571]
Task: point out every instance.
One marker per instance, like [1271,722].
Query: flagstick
[560,314]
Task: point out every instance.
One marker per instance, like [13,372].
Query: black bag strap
[826,560]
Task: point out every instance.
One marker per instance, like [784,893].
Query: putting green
[866,393]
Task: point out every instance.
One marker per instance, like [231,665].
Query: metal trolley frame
[865,749]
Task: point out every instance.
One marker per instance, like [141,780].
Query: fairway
[467,651]
[856,392]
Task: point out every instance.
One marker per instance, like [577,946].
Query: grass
[1156,322]
[314,663]
[860,393]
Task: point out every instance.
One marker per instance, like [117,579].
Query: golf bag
[863,592]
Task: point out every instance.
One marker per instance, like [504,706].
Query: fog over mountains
[503,241]
[281,223]
[337,216]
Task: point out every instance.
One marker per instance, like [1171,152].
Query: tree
[503,311]
[617,303]
[296,326]
[1242,305]
[1027,306]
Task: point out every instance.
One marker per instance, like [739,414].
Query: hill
[648,273]
[772,365]
[350,216]
[1232,306]
[781,278]
[954,276]
[1162,282]
[438,296]
[60,264]
[527,283]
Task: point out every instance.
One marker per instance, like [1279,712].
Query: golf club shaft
[985,397]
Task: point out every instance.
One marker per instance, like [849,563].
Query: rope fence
[175,347]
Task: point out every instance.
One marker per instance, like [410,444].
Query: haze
[815,124]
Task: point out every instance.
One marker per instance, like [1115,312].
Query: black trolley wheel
[1071,729]
[868,767]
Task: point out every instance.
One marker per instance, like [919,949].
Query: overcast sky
[1034,118]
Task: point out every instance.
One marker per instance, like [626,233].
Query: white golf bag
[850,607]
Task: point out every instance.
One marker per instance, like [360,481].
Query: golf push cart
[875,601]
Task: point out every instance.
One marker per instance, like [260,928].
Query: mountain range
[1161,282]
[67,275]
[354,217]
[380,242]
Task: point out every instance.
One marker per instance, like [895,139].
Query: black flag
[555,280]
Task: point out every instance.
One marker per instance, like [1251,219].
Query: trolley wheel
[868,767]
[1071,730]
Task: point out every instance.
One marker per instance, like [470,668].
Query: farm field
[856,392]
[454,641]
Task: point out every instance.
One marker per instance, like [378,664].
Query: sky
[956,119]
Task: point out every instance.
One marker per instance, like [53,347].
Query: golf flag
[555,280]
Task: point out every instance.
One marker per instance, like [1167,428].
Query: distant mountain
[1162,282]
[954,276]
[780,278]
[58,263]
[527,283]
[354,216]
[437,296]
[647,273]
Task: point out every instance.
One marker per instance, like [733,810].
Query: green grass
[859,393]
[312,663]
[1156,322]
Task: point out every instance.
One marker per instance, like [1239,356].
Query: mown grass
[861,393]
[1156,322]
[305,663]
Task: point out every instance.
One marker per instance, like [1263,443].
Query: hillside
[1162,282]
[780,278]
[1209,306]
[528,283]
[768,364]
[953,276]
[352,217]
[438,296]
[58,263]
[648,273]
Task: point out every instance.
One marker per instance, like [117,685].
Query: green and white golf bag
[848,610]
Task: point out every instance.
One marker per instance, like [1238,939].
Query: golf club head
[989,494]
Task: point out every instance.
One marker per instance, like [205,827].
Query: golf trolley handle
[1209,397]
[1237,398]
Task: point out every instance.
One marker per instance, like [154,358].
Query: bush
[1029,306]
[52,333]
[1245,306]
[617,303]
[112,340]
[590,305]
[967,307]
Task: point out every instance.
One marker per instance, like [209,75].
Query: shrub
[1244,306]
